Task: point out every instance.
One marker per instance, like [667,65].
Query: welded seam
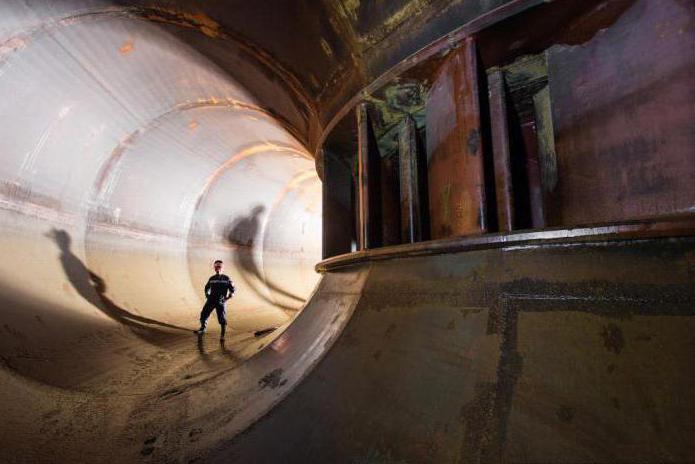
[250,150]
[295,182]
[106,172]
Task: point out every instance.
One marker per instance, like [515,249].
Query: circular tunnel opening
[131,161]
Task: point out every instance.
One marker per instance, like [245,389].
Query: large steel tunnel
[130,162]
[461,231]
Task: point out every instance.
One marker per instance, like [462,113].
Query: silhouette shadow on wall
[92,288]
[243,234]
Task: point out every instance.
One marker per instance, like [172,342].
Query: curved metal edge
[442,45]
[683,226]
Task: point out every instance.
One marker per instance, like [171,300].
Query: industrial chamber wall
[131,161]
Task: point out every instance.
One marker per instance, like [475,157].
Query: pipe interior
[131,162]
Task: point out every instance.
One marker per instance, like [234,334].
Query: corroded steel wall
[623,118]
[454,148]
[141,140]
[555,353]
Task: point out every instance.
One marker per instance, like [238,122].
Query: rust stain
[273,379]
[445,202]
[473,142]
[126,48]
[456,174]
[460,209]
[207,25]
[199,21]
[193,125]
[613,338]
[12,45]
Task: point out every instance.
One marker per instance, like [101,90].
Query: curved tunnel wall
[130,163]
[122,179]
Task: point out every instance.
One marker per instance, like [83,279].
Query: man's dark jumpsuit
[216,294]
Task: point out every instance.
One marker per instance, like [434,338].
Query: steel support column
[456,189]
[500,151]
[368,195]
[412,177]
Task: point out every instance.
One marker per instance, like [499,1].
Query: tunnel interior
[131,162]
[455,228]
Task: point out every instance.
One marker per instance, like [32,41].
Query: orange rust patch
[12,45]
[199,21]
[126,48]
[192,125]
[205,23]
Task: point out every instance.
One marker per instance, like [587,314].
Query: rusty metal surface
[368,183]
[454,148]
[141,140]
[390,201]
[415,58]
[625,136]
[500,151]
[634,230]
[414,207]
[306,69]
[528,354]
[537,205]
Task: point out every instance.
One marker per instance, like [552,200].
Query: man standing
[217,291]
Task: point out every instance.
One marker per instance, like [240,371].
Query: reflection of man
[217,291]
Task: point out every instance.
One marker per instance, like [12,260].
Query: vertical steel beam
[500,150]
[546,149]
[390,201]
[368,195]
[454,145]
[410,180]
[533,174]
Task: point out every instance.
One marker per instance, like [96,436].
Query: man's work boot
[200,331]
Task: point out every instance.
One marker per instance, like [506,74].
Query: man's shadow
[92,288]
[243,235]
